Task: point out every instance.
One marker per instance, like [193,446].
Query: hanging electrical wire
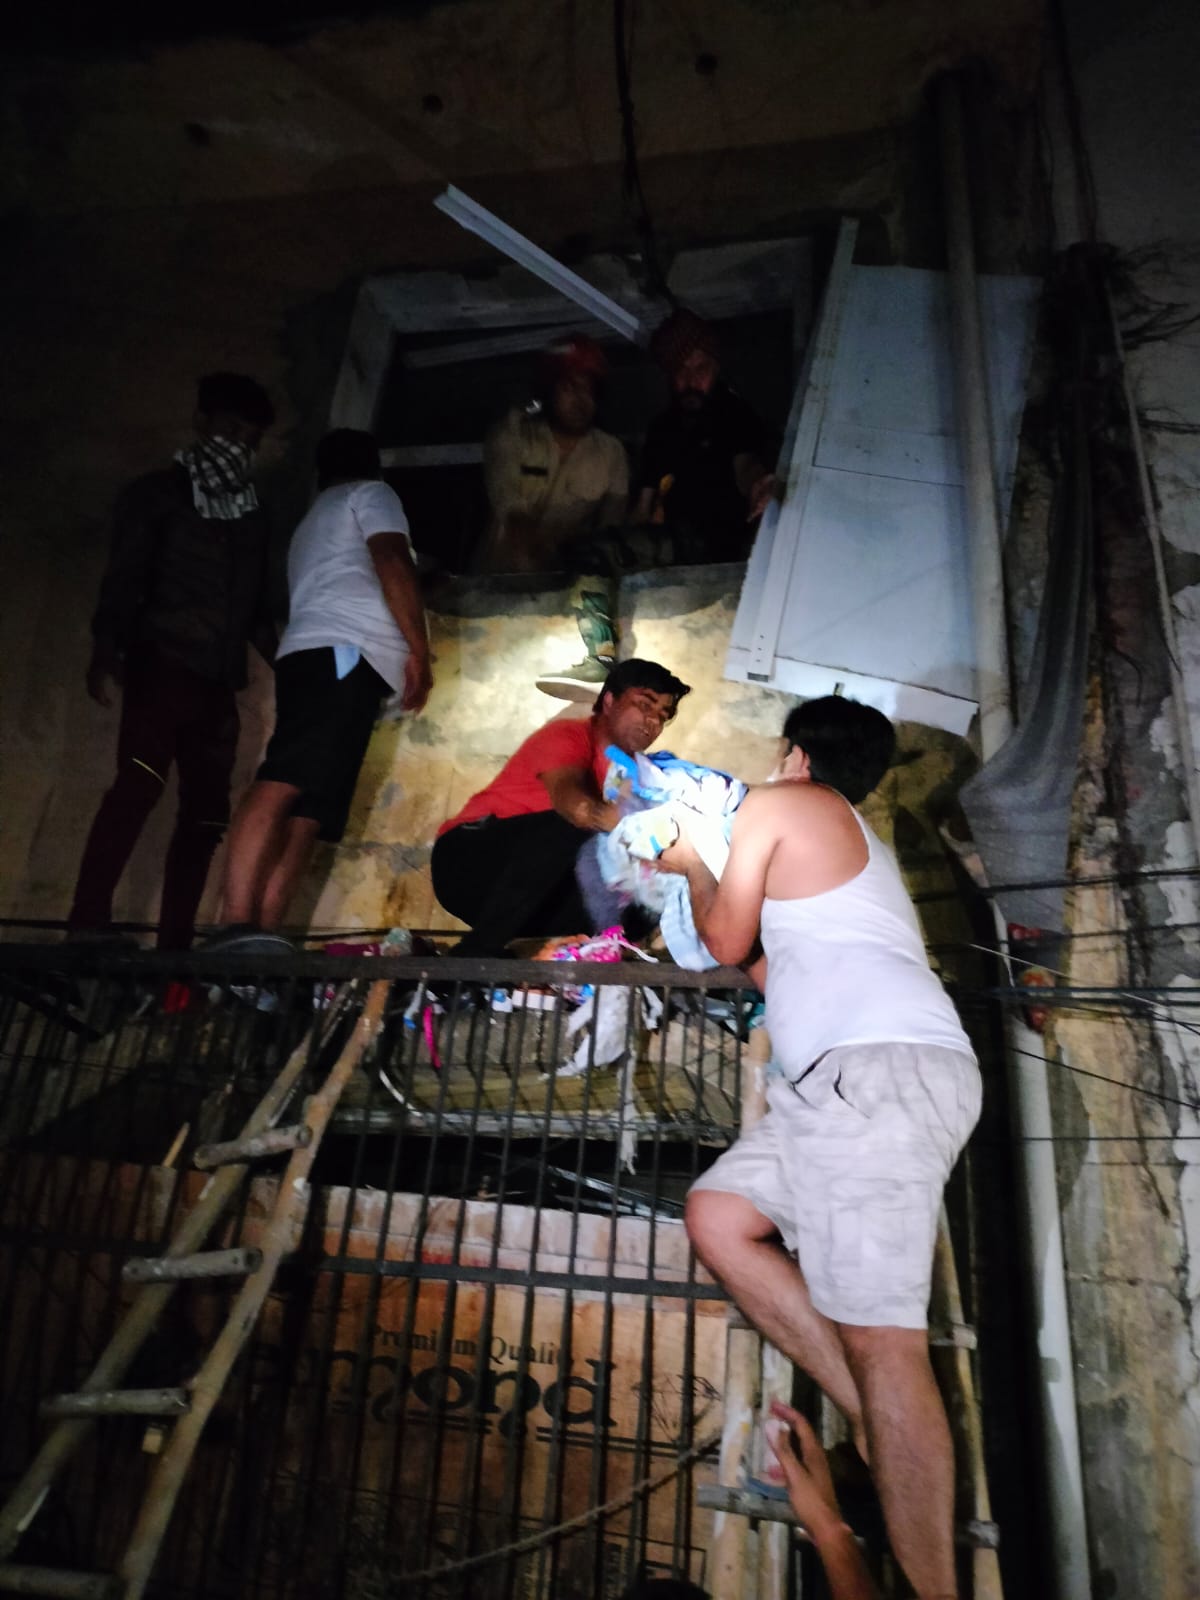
[631,178]
[1116,1083]
[1120,879]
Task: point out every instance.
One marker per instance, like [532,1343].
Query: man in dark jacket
[704,469]
[185,590]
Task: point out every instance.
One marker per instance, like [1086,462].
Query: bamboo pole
[963,1409]
[65,1438]
[774,1538]
[286,1221]
[735,1574]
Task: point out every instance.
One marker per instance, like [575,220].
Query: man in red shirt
[505,864]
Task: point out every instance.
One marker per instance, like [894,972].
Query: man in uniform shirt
[703,482]
[552,477]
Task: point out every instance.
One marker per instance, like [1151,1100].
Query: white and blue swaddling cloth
[661,797]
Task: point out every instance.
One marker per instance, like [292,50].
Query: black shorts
[322,728]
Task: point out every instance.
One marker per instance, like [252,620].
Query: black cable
[1092,1138]
[631,178]
[1032,997]
[1117,1083]
[1122,879]
[1061,993]
[1053,937]
[1074,110]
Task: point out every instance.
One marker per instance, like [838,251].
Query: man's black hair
[849,746]
[345,455]
[638,674]
[235,393]
[664,1589]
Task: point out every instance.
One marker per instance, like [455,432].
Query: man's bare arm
[756,482]
[702,889]
[398,580]
[573,796]
[727,914]
[805,1469]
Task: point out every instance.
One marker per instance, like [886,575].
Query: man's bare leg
[741,1248]
[299,836]
[256,841]
[912,1456]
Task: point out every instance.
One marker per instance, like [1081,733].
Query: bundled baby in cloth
[660,797]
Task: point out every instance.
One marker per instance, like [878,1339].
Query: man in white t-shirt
[356,633]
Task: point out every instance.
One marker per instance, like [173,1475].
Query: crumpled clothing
[609,945]
[661,796]
[219,470]
[612,1007]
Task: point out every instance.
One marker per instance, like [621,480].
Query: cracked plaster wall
[491,641]
[1129,1163]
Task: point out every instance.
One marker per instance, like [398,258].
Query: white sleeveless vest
[849,967]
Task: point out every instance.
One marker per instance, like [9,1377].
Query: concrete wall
[172,210]
[1129,1163]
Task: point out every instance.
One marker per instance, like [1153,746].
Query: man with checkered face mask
[184,592]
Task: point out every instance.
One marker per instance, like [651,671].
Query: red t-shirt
[517,789]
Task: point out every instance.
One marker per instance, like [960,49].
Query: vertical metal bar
[743,1374]
[468,1486]
[511,1505]
[412,1554]
[624,1070]
[557,1443]
[364,1349]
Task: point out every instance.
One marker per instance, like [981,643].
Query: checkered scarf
[220,473]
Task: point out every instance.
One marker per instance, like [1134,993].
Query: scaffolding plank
[58,1582]
[275,1141]
[204,1264]
[117,1403]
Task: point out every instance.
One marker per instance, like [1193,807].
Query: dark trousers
[168,715]
[509,877]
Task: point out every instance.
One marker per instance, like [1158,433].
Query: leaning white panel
[878,600]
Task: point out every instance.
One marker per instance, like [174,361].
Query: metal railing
[492,1327]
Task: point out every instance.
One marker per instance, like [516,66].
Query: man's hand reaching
[761,494]
[418,681]
[679,857]
[810,1490]
[105,673]
[805,1469]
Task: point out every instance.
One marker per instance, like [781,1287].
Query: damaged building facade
[263,201]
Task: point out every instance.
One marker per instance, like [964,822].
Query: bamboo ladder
[187,1408]
[752,1534]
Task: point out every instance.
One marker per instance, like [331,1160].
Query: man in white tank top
[821,1220]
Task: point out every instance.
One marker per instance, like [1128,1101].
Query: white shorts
[849,1163]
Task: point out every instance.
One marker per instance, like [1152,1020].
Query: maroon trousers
[168,715]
